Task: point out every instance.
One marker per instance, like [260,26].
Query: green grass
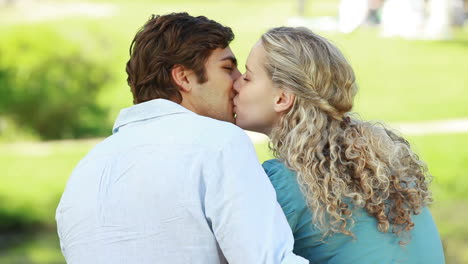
[33,177]
[38,248]
[408,80]
[447,159]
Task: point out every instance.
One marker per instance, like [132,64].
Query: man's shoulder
[214,131]
[215,124]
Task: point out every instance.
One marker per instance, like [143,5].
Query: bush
[49,83]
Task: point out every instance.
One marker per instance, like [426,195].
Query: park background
[63,82]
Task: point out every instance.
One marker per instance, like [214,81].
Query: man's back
[159,191]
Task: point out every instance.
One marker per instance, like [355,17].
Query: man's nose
[236,74]
[237,84]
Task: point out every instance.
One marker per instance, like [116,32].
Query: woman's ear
[182,78]
[283,101]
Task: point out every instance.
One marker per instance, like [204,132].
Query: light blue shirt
[170,186]
[370,246]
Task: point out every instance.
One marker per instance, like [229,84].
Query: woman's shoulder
[292,201]
[287,188]
[274,168]
[280,176]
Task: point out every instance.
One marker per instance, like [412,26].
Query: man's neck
[188,105]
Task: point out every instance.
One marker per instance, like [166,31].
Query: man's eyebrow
[231,58]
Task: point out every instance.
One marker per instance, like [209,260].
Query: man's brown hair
[166,41]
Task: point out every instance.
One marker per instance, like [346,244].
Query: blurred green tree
[49,84]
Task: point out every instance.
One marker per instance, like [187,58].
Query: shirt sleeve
[240,205]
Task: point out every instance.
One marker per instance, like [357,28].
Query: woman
[352,191]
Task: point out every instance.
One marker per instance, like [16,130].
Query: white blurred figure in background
[418,19]
[458,9]
[403,18]
[411,19]
[375,6]
[352,13]
[439,22]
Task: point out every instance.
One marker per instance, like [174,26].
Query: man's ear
[182,77]
[283,101]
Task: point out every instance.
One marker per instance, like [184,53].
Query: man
[173,185]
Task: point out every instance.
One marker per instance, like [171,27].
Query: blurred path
[449,126]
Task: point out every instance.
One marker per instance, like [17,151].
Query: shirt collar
[147,110]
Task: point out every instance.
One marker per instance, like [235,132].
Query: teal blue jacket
[370,246]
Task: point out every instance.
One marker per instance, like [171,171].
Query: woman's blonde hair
[341,163]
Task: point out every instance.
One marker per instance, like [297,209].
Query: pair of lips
[234,111]
[234,107]
[234,101]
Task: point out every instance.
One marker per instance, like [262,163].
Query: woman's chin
[248,127]
[236,121]
[239,122]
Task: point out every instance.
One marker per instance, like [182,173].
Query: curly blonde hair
[341,163]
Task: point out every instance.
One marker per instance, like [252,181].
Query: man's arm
[241,205]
